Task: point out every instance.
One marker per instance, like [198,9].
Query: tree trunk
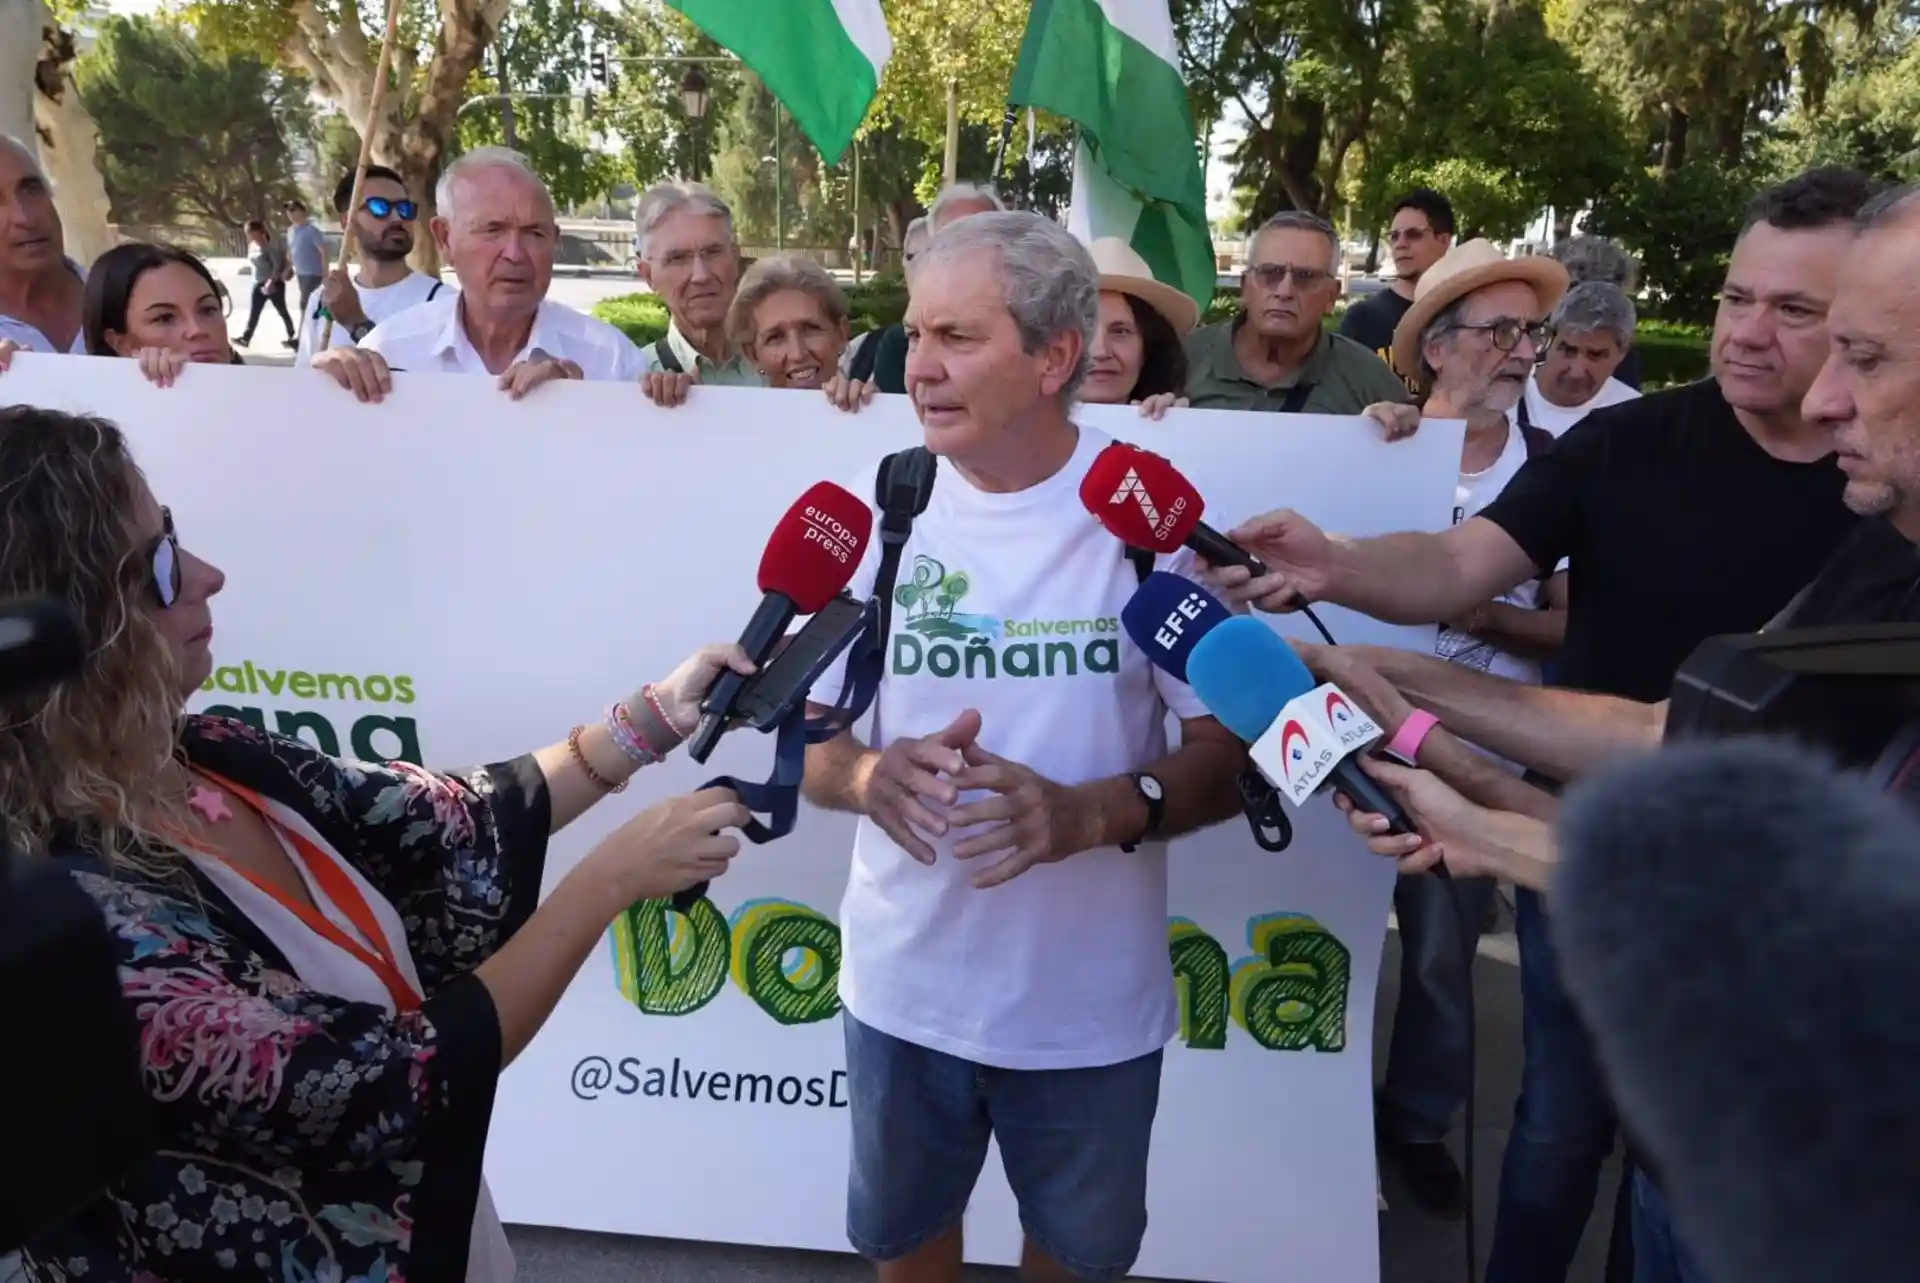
[1305,125]
[68,140]
[1673,146]
[1730,130]
[20,26]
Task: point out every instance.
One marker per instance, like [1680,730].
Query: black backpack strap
[1538,440]
[1142,560]
[437,287]
[1296,398]
[901,488]
[864,357]
[663,353]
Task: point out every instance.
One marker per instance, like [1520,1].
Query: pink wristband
[1405,744]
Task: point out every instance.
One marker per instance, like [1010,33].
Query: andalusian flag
[822,58]
[1112,67]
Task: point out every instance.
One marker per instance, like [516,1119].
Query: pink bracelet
[627,737]
[660,711]
[1404,747]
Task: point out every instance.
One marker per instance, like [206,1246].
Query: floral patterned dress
[310,1139]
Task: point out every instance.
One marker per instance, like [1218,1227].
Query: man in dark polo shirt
[1276,354]
[1419,236]
[1688,513]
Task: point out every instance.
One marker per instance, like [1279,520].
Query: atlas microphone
[1145,503]
[809,559]
[1304,736]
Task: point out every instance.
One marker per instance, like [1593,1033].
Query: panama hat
[1463,269]
[1124,271]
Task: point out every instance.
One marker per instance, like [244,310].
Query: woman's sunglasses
[381,207]
[166,562]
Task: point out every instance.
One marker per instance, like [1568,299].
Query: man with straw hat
[1468,340]
[1137,357]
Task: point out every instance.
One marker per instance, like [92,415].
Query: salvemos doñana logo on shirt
[934,637]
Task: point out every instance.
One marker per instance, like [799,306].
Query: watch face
[1150,788]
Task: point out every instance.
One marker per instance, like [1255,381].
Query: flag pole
[374,107]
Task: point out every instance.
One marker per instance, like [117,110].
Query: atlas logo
[1293,748]
[1339,712]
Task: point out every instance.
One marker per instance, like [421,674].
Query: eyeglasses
[1272,276]
[1411,235]
[166,562]
[712,255]
[381,207]
[1507,332]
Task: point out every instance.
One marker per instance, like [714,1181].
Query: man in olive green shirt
[1277,353]
[689,256]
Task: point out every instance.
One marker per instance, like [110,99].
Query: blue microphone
[1245,673]
[1168,616]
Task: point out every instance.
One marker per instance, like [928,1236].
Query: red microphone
[1145,503]
[810,558]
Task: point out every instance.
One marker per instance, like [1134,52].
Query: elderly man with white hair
[42,291]
[1009,816]
[882,359]
[1592,332]
[690,257]
[496,226]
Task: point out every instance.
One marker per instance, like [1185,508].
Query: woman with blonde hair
[330,961]
[790,317]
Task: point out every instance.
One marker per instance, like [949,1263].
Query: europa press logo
[1294,744]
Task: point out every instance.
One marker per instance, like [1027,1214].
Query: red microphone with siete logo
[1145,503]
[810,558]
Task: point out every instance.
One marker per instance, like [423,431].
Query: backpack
[902,488]
[1536,438]
[663,353]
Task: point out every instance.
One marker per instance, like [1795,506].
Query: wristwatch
[1154,794]
[361,330]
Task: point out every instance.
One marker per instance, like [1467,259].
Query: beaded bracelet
[629,737]
[599,781]
[660,711]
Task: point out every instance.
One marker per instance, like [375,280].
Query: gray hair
[1596,258]
[958,194]
[1888,208]
[1046,276]
[478,161]
[1299,220]
[918,227]
[25,153]
[773,275]
[1444,322]
[1592,306]
[663,200]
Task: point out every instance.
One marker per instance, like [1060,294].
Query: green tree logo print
[930,598]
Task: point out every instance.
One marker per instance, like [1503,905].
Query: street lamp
[694,97]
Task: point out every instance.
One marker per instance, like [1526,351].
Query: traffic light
[597,65]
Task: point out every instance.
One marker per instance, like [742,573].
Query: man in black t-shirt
[1688,513]
[1419,236]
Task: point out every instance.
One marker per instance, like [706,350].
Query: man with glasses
[1420,234]
[384,283]
[1277,353]
[1689,513]
[688,255]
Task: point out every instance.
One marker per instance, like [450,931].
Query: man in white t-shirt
[1006,971]
[384,283]
[1593,329]
[495,223]
[1474,333]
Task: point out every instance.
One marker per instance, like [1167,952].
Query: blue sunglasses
[381,207]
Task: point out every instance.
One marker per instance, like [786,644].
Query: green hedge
[1669,354]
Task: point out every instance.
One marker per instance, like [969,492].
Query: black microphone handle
[762,633]
[1369,794]
[1222,551]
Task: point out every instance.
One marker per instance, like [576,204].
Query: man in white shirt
[1015,804]
[1593,330]
[384,283]
[42,291]
[496,225]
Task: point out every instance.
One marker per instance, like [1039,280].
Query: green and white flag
[1112,67]
[822,58]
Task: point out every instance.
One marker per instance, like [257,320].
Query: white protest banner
[454,577]
[1312,734]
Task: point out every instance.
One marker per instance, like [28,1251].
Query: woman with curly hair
[330,961]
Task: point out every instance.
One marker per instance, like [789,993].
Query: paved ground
[1414,1248]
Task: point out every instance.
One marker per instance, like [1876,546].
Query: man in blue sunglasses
[382,283]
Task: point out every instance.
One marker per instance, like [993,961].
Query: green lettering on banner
[320,731]
[786,958]
[670,963]
[1022,660]
[906,654]
[1201,976]
[1103,656]
[980,659]
[1292,995]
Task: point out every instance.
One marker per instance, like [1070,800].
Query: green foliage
[645,109]
[188,133]
[972,42]
[642,317]
[543,49]
[1682,227]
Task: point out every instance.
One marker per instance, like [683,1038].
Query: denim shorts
[1074,1143]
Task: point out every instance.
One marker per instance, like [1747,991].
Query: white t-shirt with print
[1010,604]
[1475,491]
[1556,419]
